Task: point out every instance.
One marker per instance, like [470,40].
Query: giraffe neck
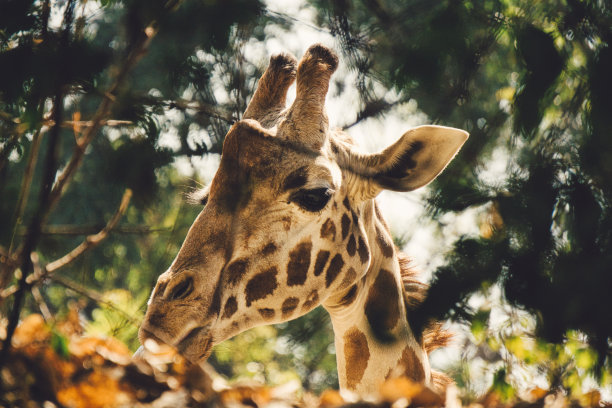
[372,336]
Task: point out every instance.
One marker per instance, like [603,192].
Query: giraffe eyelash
[312,200]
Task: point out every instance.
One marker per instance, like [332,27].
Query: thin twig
[372,109]
[87,244]
[201,107]
[100,116]
[42,305]
[26,183]
[69,124]
[91,240]
[71,230]
[93,295]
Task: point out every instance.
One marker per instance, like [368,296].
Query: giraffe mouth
[196,344]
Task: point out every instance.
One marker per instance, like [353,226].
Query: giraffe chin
[197,344]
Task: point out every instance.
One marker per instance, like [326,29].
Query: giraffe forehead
[270,165]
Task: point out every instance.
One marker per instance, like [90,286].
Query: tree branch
[93,295]
[201,107]
[90,242]
[100,116]
[24,192]
[72,230]
[372,109]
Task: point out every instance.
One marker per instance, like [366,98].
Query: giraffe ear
[411,162]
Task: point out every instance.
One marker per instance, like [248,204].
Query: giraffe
[290,222]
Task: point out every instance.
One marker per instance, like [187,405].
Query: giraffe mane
[433,335]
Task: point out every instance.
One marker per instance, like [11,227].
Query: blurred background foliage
[529,80]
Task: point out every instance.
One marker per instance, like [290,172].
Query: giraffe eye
[312,200]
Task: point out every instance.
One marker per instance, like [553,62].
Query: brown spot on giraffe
[269,249]
[266,313]
[355,218]
[320,262]
[351,246]
[289,305]
[412,365]
[385,246]
[349,296]
[230,307]
[379,216]
[328,230]
[215,305]
[261,285]
[357,354]
[236,270]
[349,278]
[345,223]
[362,249]
[382,306]
[346,203]
[334,268]
[311,301]
[299,262]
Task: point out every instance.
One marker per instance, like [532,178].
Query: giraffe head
[282,228]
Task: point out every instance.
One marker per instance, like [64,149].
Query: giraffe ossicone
[290,222]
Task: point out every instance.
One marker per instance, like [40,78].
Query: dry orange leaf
[32,329]
[402,387]
[330,398]
[96,390]
[591,399]
[246,395]
[536,394]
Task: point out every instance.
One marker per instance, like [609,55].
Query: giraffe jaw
[196,344]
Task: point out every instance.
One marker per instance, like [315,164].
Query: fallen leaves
[94,371]
[58,366]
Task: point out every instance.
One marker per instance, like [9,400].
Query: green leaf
[59,344]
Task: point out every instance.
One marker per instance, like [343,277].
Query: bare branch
[42,305]
[372,109]
[93,295]
[201,107]
[91,240]
[71,230]
[24,192]
[100,116]
[69,124]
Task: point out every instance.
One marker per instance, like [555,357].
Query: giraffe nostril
[182,289]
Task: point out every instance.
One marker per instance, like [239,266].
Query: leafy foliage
[60,366]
